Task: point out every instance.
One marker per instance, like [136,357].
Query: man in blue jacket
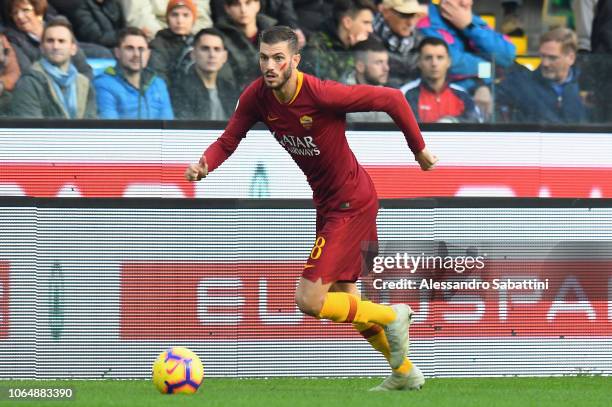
[130,90]
[470,40]
[550,94]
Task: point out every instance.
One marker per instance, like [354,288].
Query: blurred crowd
[190,59]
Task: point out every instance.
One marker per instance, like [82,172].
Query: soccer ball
[178,370]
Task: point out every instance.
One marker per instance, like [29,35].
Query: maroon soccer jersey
[311,127]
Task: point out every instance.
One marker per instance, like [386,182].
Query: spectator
[310,13]
[171,47]
[201,94]
[25,31]
[431,97]
[549,94]
[52,87]
[241,27]
[371,68]
[9,73]
[511,22]
[395,24]
[280,10]
[150,15]
[328,52]
[601,61]
[469,39]
[130,90]
[584,12]
[98,21]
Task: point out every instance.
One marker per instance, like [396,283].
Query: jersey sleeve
[244,117]
[365,98]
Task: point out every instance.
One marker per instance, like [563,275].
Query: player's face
[555,64]
[133,53]
[360,26]
[401,24]
[209,54]
[243,12]
[276,63]
[180,20]
[58,45]
[376,68]
[434,62]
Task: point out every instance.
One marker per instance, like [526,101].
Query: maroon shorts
[344,247]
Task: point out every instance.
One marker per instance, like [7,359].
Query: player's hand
[426,160]
[196,172]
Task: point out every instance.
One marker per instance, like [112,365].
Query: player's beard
[285,75]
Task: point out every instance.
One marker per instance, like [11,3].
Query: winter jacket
[170,53]
[280,10]
[243,55]
[476,43]
[452,102]
[151,14]
[403,52]
[28,52]
[601,36]
[311,13]
[526,96]
[118,99]
[190,97]
[98,23]
[35,97]
[326,57]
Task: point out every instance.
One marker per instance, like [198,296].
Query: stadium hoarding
[107,284]
[107,162]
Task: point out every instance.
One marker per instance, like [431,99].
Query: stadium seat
[489,19]
[98,65]
[529,62]
[520,43]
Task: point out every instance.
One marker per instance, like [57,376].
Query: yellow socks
[375,335]
[344,307]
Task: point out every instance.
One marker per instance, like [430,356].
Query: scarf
[64,84]
[395,43]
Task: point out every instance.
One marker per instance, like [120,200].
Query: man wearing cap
[171,47]
[395,25]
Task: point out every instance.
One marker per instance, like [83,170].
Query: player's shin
[344,307]
[375,335]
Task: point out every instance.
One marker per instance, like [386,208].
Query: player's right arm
[244,117]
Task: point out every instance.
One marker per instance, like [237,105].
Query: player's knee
[308,305]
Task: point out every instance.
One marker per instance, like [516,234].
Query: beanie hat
[172,4]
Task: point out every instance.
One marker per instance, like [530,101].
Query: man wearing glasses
[395,25]
[550,94]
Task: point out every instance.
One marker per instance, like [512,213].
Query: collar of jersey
[297,90]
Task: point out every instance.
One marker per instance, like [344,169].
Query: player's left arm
[365,98]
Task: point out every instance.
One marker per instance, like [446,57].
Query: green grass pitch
[574,391]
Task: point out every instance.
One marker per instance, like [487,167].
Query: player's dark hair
[432,41]
[127,31]
[351,8]
[372,44]
[208,31]
[280,33]
[59,21]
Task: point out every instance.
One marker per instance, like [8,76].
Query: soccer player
[307,117]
